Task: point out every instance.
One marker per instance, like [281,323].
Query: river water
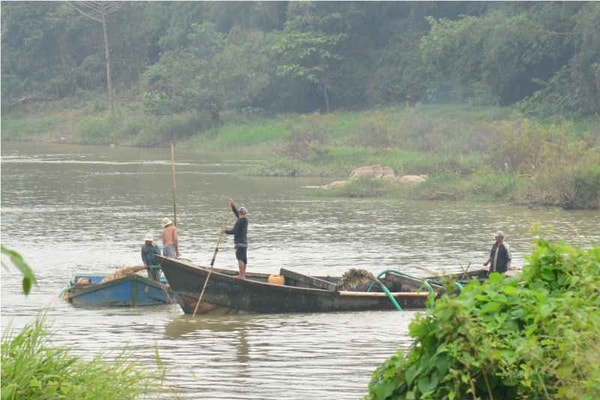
[70,209]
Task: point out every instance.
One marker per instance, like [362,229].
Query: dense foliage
[207,58]
[528,337]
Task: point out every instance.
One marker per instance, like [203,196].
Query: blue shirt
[148,253]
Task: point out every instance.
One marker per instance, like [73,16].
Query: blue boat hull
[129,291]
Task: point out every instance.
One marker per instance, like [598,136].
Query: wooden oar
[212,262]
[435,274]
[431,273]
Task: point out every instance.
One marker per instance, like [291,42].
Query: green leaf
[510,290]
[548,274]
[411,373]
[427,383]
[28,276]
[490,308]
[383,390]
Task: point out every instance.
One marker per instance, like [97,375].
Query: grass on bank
[476,153]
[32,368]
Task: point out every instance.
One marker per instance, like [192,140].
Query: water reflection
[185,324]
[262,355]
[243,348]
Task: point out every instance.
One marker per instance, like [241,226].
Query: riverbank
[467,153]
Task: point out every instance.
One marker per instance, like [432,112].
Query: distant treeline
[208,58]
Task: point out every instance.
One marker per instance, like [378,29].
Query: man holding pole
[240,237]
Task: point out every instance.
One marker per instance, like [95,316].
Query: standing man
[499,255]
[169,239]
[149,250]
[240,237]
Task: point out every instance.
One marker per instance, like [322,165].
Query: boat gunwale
[216,271]
[83,289]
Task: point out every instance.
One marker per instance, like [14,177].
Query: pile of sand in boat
[119,273]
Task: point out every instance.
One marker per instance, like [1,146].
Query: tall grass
[34,369]
[232,136]
[23,129]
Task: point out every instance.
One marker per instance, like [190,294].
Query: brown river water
[70,209]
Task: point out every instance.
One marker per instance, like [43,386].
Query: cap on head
[243,210]
[499,234]
[166,222]
[148,237]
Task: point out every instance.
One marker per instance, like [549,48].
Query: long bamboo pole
[174,185]
[212,263]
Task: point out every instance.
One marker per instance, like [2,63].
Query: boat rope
[428,286]
[389,295]
[385,290]
[431,293]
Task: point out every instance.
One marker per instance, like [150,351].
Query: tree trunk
[111,102]
[326,97]
[98,10]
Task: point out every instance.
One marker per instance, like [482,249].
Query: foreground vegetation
[32,368]
[528,337]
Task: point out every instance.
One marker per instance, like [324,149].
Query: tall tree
[585,65]
[496,58]
[306,50]
[98,11]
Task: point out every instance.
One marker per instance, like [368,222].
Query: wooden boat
[219,291]
[124,290]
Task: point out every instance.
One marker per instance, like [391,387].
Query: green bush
[97,129]
[531,337]
[444,186]
[489,184]
[587,188]
[575,187]
[282,167]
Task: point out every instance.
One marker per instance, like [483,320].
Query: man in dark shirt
[149,250]
[240,237]
[499,259]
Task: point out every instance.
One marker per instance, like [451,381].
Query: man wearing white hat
[169,239]
[499,259]
[149,250]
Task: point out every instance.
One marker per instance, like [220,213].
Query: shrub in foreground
[532,336]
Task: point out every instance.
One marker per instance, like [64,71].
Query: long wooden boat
[133,290]
[202,290]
